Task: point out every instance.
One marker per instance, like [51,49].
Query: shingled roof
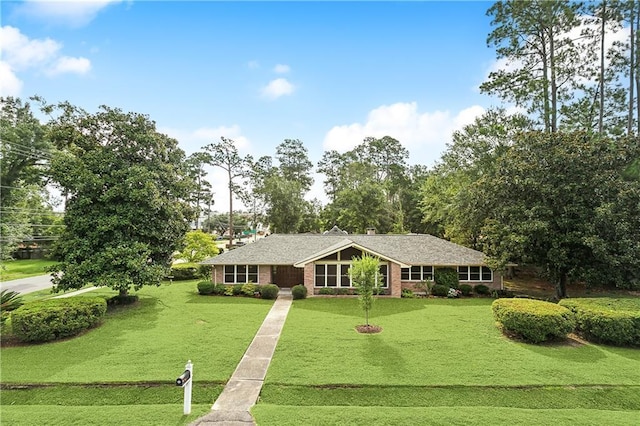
[409,249]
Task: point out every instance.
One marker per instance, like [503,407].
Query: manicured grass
[166,414]
[123,372]
[267,414]
[15,269]
[438,361]
[431,342]
[150,341]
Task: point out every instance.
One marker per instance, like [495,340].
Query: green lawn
[432,354]
[136,355]
[15,269]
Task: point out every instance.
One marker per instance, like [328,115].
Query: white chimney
[371,231]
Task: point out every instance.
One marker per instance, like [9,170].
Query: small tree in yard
[198,247]
[364,274]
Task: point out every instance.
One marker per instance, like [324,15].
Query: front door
[285,276]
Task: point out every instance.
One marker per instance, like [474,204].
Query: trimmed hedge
[185,271]
[269,291]
[466,289]
[607,320]
[447,277]
[534,321]
[440,290]
[206,287]
[299,292]
[327,291]
[54,319]
[482,290]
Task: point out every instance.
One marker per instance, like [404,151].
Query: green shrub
[440,290]
[237,289]
[122,300]
[205,271]
[269,291]
[206,287]
[57,318]
[482,290]
[466,289]
[219,289]
[407,293]
[534,321]
[299,292]
[249,289]
[426,286]
[607,320]
[229,290]
[327,291]
[501,293]
[185,271]
[343,291]
[447,277]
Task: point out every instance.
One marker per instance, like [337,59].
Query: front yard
[447,360]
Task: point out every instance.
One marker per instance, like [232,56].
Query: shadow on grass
[567,351]
[225,300]
[377,353]
[350,307]
[626,352]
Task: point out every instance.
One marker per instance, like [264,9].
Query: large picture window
[417,273]
[240,274]
[337,275]
[475,273]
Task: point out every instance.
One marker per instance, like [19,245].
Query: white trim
[235,274]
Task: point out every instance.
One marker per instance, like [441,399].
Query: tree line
[556,184]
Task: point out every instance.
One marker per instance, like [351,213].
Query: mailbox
[184,378]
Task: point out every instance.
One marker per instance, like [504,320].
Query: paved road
[27,285]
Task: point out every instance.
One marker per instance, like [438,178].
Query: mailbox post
[186,381]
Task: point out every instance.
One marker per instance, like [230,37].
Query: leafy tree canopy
[198,247]
[127,211]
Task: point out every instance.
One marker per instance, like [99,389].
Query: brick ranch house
[323,260]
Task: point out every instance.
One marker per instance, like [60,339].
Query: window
[337,275]
[475,273]
[240,274]
[417,273]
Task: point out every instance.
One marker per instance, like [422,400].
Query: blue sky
[327,73]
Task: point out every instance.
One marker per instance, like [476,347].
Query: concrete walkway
[242,390]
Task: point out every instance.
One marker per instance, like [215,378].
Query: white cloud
[423,134]
[19,54]
[67,64]
[10,85]
[75,13]
[277,88]
[281,69]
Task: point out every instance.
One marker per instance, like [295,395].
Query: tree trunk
[545,86]
[561,286]
[230,209]
[603,16]
[554,85]
[632,66]
[635,64]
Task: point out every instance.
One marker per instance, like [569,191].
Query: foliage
[124,216]
[327,291]
[466,289]
[249,289]
[229,290]
[440,290]
[407,293]
[185,271]
[364,272]
[570,209]
[534,321]
[220,289]
[198,247]
[426,286]
[447,277]
[481,290]
[206,287]
[224,155]
[57,318]
[269,291]
[606,320]
[10,300]
[24,159]
[237,289]
[299,292]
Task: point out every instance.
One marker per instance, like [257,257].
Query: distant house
[323,260]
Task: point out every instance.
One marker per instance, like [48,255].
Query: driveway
[27,285]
